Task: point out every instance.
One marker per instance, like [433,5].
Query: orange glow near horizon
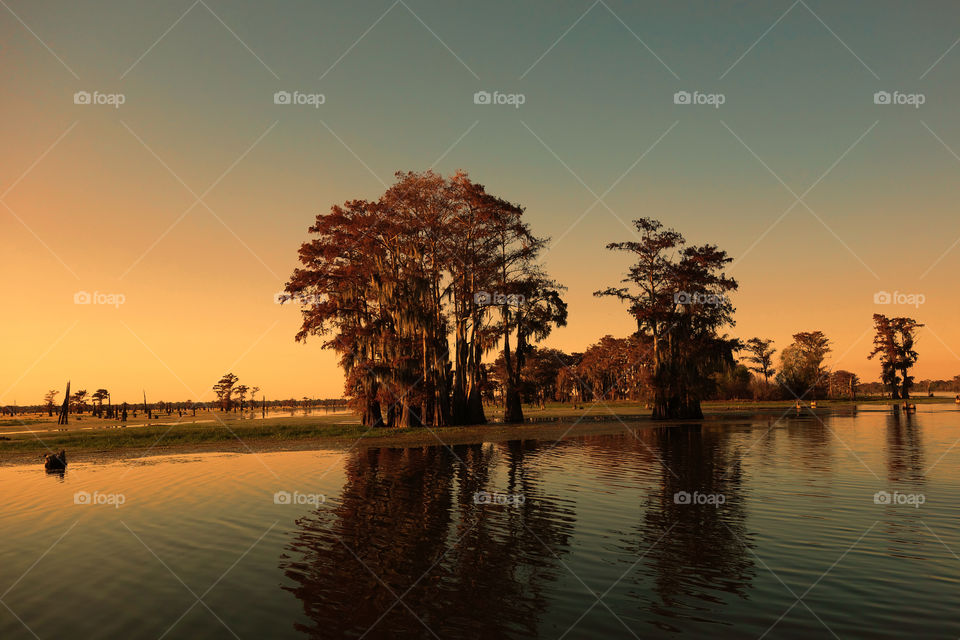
[190,200]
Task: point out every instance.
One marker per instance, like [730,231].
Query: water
[600,546]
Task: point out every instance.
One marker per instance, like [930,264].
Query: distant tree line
[622,369]
[230,397]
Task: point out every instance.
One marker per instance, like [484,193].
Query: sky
[177,198]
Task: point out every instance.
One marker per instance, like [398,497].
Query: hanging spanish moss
[414,289]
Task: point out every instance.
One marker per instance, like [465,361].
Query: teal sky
[398,79]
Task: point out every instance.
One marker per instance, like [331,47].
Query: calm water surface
[764,528]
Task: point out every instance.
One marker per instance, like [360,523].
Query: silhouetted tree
[678,296]
[893,343]
[241,391]
[50,401]
[801,364]
[99,396]
[760,356]
[79,400]
[885,346]
[224,390]
[905,336]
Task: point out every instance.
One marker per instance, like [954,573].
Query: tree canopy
[678,295]
[413,289]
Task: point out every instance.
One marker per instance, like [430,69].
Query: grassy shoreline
[93,439]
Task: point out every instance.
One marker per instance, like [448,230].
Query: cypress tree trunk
[459,413]
[513,408]
[65,409]
[475,414]
[372,416]
[410,415]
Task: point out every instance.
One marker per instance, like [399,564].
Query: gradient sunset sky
[192,197]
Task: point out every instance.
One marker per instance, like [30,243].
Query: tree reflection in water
[705,550]
[407,527]
[906,466]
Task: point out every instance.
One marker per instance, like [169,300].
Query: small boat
[56,461]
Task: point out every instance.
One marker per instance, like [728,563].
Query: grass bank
[93,438]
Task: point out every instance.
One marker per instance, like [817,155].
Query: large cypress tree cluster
[413,289]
